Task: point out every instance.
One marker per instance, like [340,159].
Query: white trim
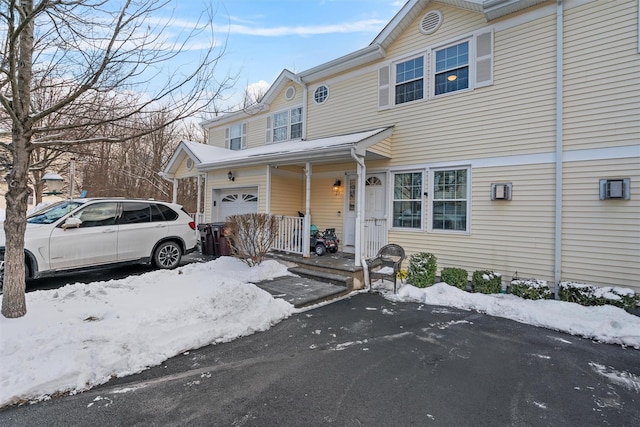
[391,182]
[624,152]
[430,192]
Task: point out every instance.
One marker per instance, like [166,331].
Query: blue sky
[266,36]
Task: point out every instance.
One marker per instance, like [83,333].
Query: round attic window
[189,163]
[430,23]
[321,94]
[290,93]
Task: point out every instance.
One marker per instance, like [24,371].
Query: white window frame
[393,84]
[271,128]
[240,134]
[470,63]
[432,199]
[325,90]
[421,199]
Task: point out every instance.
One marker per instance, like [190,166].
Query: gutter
[559,145]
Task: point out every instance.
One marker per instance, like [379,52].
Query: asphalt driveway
[365,361]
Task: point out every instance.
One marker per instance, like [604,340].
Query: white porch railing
[375,236]
[290,237]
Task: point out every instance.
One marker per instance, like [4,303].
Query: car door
[138,230]
[93,242]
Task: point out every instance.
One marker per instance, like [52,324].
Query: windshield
[54,212]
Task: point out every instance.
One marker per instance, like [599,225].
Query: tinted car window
[168,213]
[156,214]
[98,214]
[135,213]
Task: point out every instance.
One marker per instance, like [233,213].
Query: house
[496,134]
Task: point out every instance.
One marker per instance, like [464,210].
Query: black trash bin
[206,239]
[220,239]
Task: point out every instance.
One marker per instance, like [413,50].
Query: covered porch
[324,181]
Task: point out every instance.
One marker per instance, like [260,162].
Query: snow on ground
[606,323]
[80,335]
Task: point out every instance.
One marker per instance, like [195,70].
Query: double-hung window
[409,84]
[286,125]
[407,200]
[450,207]
[236,137]
[452,68]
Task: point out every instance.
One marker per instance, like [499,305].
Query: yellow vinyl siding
[254,177]
[287,191]
[602,75]
[601,238]
[512,117]
[182,171]
[506,236]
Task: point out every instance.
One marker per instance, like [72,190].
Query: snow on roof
[223,156]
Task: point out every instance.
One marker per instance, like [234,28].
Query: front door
[375,205]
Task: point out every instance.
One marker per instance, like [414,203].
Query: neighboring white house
[499,134]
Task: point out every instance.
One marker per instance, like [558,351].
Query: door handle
[109,230]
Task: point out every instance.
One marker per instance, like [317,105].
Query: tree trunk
[13,299]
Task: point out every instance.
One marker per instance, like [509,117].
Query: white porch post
[198,204]
[306,240]
[362,173]
[175,190]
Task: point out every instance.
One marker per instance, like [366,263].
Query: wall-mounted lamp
[336,186]
[230,176]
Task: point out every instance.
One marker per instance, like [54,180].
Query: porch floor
[339,261]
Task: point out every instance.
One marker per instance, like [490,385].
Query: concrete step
[301,291]
[321,276]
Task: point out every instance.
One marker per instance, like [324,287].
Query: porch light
[53,181]
[336,186]
[230,176]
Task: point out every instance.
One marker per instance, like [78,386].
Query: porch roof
[329,149]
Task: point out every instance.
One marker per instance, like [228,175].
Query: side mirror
[72,222]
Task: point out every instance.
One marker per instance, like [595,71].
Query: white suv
[83,233]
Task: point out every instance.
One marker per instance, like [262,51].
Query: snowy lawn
[81,335]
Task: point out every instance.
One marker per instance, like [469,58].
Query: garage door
[238,202]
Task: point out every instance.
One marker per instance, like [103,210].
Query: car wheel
[167,255]
[320,249]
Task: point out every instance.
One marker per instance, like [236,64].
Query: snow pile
[80,335]
[606,323]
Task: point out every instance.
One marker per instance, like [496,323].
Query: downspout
[559,142]
[175,186]
[361,172]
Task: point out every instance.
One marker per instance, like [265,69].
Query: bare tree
[91,53]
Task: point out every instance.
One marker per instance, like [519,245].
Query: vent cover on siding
[431,22]
[290,93]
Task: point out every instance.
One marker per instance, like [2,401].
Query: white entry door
[375,205]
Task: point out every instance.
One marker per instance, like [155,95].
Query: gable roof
[194,150]
[492,9]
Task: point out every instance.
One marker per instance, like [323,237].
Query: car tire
[167,255]
[320,249]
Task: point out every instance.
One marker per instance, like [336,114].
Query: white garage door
[238,202]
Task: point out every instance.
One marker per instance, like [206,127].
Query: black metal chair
[386,264]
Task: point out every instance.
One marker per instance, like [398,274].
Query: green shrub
[590,295]
[457,277]
[530,288]
[422,269]
[486,282]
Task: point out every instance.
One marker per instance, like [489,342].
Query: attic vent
[431,22]
[189,163]
[290,93]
